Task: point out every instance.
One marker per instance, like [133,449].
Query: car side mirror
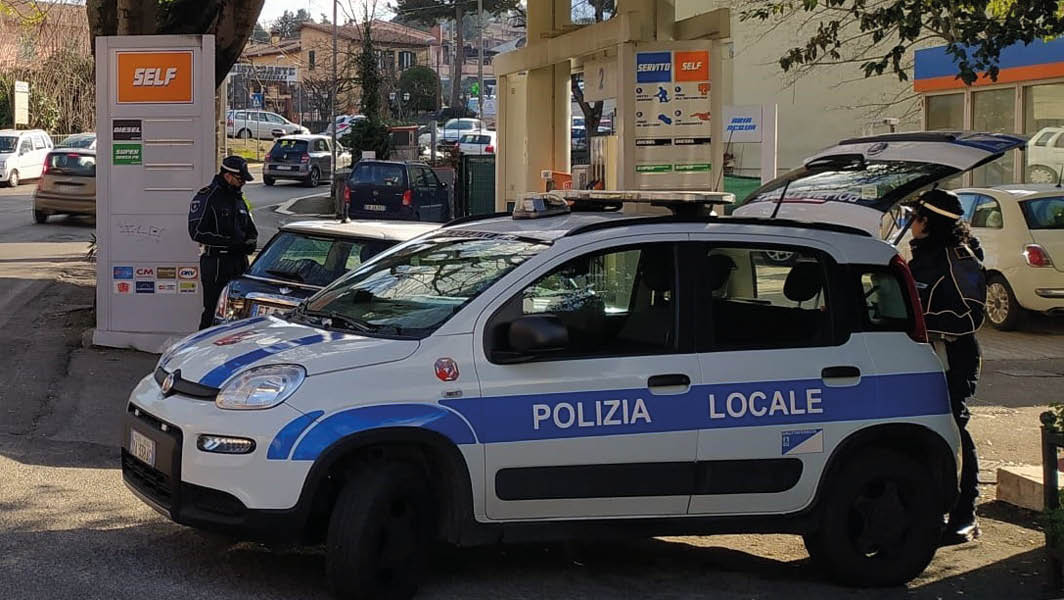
[532,336]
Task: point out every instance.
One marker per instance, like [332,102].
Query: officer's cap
[237,166]
[942,203]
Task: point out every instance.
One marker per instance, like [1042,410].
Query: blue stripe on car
[425,416]
[282,443]
[218,375]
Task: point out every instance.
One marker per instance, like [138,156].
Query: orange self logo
[155,77]
[691,66]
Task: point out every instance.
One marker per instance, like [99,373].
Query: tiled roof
[382,31]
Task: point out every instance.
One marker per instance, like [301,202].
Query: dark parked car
[303,258]
[410,191]
[304,158]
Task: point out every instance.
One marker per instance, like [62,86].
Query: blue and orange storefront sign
[936,70]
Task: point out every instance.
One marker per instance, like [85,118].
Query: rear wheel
[1041,174]
[1001,306]
[268,180]
[313,179]
[882,520]
[244,134]
[13,180]
[378,533]
[40,216]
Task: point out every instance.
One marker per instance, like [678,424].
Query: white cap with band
[935,209]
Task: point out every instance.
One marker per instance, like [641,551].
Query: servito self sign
[154,77]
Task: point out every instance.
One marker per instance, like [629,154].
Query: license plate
[284,168]
[262,310]
[376,207]
[142,447]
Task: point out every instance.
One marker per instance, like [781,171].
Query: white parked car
[481,142]
[1045,156]
[260,124]
[22,154]
[1021,229]
[343,124]
[563,373]
[449,134]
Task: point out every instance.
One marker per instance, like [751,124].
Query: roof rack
[681,203]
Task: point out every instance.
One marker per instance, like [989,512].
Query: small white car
[1021,229]
[562,374]
[1045,156]
[260,124]
[22,154]
[481,142]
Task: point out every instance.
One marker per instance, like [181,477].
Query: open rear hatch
[861,181]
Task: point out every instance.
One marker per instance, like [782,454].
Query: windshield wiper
[285,274]
[335,318]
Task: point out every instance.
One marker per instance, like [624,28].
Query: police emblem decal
[168,383]
[446,369]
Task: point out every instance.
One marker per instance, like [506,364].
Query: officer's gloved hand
[250,246]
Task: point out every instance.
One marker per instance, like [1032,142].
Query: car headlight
[261,387]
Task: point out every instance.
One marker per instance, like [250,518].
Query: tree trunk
[234,27]
[102,17]
[459,57]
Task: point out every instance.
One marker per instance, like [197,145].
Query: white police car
[561,374]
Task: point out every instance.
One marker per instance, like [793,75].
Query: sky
[274,8]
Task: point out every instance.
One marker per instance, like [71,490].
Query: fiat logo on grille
[168,383]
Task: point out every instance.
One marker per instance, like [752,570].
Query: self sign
[142,76]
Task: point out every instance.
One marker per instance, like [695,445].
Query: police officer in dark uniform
[219,219]
[947,267]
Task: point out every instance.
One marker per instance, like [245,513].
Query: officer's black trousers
[965,362]
[215,272]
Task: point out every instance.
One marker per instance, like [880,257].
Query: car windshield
[415,289]
[378,174]
[72,163]
[1044,213]
[78,141]
[313,260]
[875,184]
[8,143]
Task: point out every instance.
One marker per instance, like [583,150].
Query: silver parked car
[260,124]
[304,158]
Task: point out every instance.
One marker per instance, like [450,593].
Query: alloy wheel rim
[1041,176]
[997,302]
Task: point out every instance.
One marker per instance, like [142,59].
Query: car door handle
[671,380]
[847,372]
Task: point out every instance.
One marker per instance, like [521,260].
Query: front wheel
[12,181]
[1002,309]
[313,179]
[378,533]
[882,520]
[1041,174]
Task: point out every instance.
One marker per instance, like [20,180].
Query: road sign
[22,103]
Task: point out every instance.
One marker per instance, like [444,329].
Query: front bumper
[241,495]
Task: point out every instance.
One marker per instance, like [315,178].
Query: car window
[281,147]
[968,202]
[321,146]
[885,305]
[1044,213]
[1044,138]
[417,178]
[759,298]
[430,177]
[241,116]
[26,146]
[987,213]
[615,302]
[1059,142]
[256,116]
[378,174]
[275,118]
[302,258]
[72,163]
[415,289]
[38,142]
[8,143]
[78,141]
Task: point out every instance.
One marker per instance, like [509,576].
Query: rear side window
[758,298]
[378,174]
[72,163]
[885,307]
[987,213]
[1044,213]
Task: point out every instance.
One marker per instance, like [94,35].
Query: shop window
[1043,117]
[994,110]
[945,112]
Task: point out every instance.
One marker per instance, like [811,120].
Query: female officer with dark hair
[949,274]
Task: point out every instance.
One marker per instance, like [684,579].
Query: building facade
[1027,97]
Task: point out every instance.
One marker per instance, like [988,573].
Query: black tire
[40,216]
[13,180]
[244,134]
[881,523]
[314,179]
[1002,309]
[1041,174]
[378,533]
[266,179]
